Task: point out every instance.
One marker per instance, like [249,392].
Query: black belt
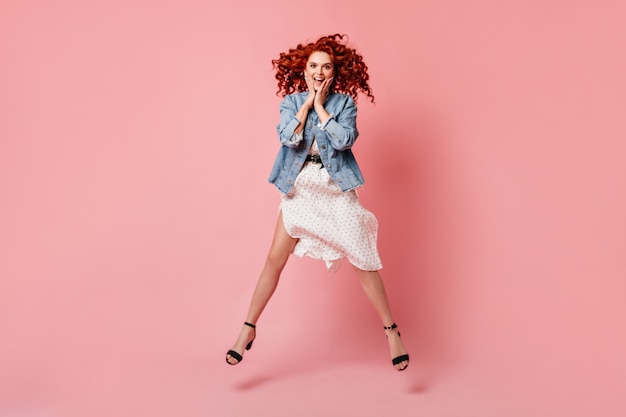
[316,159]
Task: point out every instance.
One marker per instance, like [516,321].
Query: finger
[309,83]
[327,84]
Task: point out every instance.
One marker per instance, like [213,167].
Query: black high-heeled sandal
[398,359]
[236,355]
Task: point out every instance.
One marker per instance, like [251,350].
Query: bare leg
[374,289]
[282,246]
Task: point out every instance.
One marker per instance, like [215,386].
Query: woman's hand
[322,93]
[303,111]
[320,99]
[310,99]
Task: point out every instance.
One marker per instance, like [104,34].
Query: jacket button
[323,146]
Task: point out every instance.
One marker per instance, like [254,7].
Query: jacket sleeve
[288,124]
[341,127]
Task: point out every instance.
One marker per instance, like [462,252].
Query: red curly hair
[350,70]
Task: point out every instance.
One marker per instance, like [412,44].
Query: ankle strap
[393,326]
[249,324]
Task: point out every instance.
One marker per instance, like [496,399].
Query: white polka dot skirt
[330,224]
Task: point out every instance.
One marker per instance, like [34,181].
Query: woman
[317,174]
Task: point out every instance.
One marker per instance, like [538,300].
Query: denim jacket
[334,140]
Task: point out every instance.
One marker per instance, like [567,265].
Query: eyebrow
[323,63]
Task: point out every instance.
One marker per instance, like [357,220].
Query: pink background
[135,142]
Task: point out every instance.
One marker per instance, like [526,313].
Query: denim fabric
[334,141]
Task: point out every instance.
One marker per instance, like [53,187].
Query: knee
[368,276]
[362,272]
[275,262]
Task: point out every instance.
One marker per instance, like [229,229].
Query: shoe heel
[249,345]
[236,355]
[398,359]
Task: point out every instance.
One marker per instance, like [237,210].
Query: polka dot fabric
[330,224]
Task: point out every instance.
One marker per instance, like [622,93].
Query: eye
[327,67]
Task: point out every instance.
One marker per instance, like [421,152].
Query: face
[319,67]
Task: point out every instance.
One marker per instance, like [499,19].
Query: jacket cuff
[332,117]
[297,138]
[291,127]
